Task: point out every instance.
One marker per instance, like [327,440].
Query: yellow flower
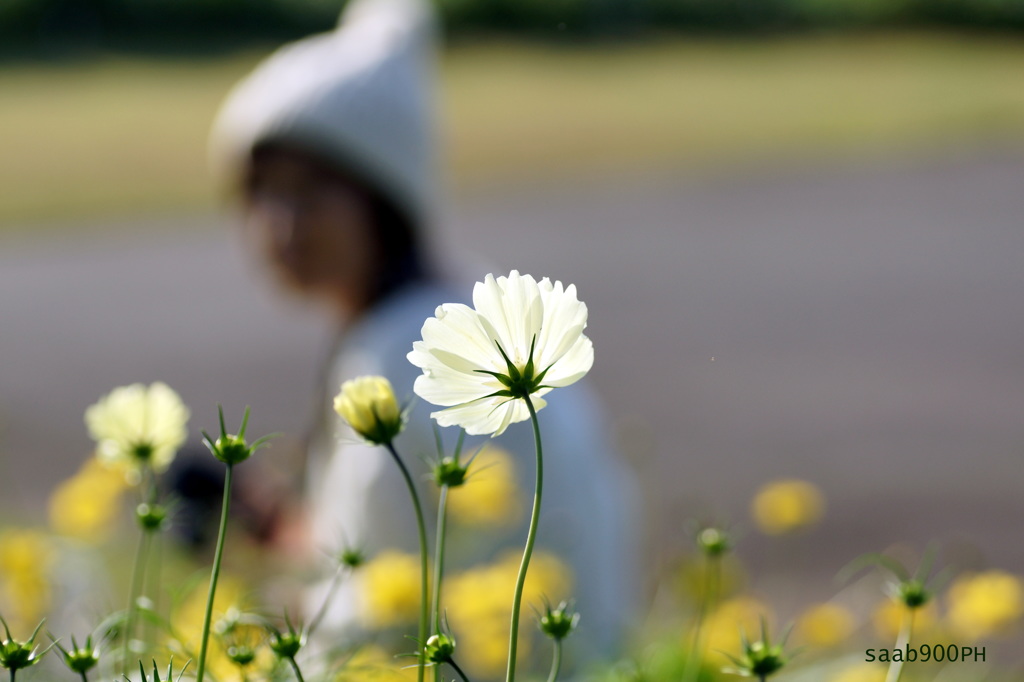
[888,618]
[824,625]
[391,589]
[188,626]
[369,406]
[26,558]
[862,672]
[373,664]
[787,505]
[985,603]
[86,505]
[480,606]
[723,626]
[137,425]
[490,495]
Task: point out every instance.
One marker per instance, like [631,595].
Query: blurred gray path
[858,326]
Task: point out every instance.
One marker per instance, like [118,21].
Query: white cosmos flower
[477,361]
[138,425]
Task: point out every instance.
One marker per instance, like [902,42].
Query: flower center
[519,382]
[143,451]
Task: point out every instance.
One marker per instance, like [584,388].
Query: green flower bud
[351,558]
[241,635]
[439,648]
[230,448]
[450,472]
[714,542]
[286,644]
[80,659]
[911,593]
[761,658]
[15,655]
[368,405]
[559,622]
[151,517]
[241,655]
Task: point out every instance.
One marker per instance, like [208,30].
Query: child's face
[311,225]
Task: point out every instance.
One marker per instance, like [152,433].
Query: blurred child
[330,148]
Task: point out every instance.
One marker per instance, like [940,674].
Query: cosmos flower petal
[480,417]
[462,352]
[572,366]
[137,416]
[448,387]
[456,328]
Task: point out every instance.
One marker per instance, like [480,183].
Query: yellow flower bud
[368,405]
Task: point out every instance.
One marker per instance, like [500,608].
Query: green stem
[902,640]
[422,528]
[295,667]
[84,678]
[556,662]
[134,592]
[154,582]
[442,525]
[531,537]
[215,572]
[457,669]
[332,589]
[693,661]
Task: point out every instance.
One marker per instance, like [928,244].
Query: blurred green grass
[117,135]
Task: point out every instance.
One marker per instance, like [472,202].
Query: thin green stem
[442,525]
[902,640]
[458,670]
[84,678]
[712,569]
[332,589]
[215,573]
[156,572]
[295,667]
[556,661]
[134,592]
[531,538]
[422,528]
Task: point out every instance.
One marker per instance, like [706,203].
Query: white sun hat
[360,97]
